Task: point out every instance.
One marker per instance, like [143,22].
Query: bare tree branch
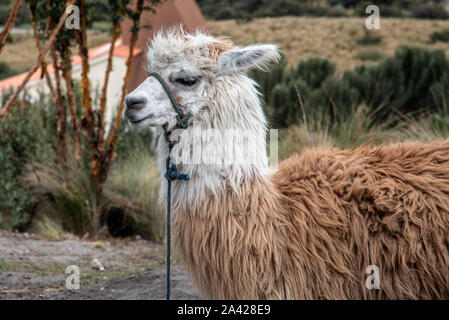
[60,110]
[103,99]
[38,46]
[88,115]
[67,75]
[5,110]
[9,23]
[113,137]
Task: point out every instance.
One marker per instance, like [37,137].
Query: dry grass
[131,189]
[331,38]
[298,38]
[324,132]
[133,186]
[22,53]
[356,130]
[49,229]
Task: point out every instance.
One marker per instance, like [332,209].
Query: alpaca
[311,227]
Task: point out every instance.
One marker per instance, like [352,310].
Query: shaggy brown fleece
[311,229]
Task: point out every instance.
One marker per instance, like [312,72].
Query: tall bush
[21,143]
[247,9]
[413,81]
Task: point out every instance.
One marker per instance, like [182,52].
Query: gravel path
[32,268]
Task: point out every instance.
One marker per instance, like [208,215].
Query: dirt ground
[32,268]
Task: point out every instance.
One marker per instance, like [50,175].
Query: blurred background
[70,169]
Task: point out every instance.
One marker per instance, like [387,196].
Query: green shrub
[369,55]
[102,26]
[128,203]
[225,12]
[6,71]
[392,11]
[131,196]
[285,103]
[73,196]
[313,71]
[386,8]
[60,198]
[401,83]
[430,11]
[22,16]
[411,81]
[442,36]
[65,200]
[282,88]
[248,9]
[244,9]
[369,38]
[21,142]
[132,141]
[98,11]
[268,80]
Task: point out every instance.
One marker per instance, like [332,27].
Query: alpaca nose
[135,103]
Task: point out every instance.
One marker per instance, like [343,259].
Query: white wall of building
[96,75]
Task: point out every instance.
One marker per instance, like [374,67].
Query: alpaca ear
[253,56]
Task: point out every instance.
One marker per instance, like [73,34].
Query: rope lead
[171,172]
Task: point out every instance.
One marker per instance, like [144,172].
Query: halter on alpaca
[171,172]
[180,117]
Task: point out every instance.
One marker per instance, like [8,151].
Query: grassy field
[337,39]
[21,53]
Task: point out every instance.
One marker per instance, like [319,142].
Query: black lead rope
[170,174]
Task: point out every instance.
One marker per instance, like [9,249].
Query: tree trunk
[38,46]
[60,110]
[67,74]
[97,163]
[88,122]
[5,110]
[9,23]
[113,137]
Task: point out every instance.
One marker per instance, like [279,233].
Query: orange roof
[123,51]
[120,50]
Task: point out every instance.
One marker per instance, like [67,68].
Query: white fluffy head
[190,64]
[208,77]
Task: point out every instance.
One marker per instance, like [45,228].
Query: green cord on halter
[171,172]
[180,117]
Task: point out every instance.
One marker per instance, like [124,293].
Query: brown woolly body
[310,230]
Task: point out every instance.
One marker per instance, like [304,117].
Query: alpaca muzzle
[134,106]
[135,103]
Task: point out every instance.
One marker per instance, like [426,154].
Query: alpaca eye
[188,82]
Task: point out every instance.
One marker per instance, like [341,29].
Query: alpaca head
[194,67]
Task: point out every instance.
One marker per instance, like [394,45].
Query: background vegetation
[413,81]
[37,189]
[345,42]
[58,151]
[100,11]
[249,9]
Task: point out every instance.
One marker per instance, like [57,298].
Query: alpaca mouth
[135,121]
